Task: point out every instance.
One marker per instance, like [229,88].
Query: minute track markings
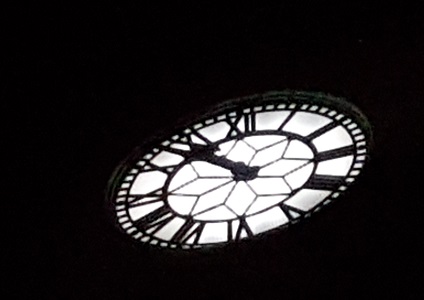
[171,223]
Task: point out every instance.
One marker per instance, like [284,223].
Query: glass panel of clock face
[239,174]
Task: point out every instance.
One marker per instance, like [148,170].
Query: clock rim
[340,104]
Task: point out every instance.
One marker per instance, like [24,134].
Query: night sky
[88,83]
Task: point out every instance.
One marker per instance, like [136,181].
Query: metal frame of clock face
[250,166]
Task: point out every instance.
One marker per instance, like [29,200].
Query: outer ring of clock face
[249,167]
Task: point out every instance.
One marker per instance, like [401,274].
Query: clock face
[249,167]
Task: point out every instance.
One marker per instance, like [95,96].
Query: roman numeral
[243,226]
[134,202]
[249,122]
[234,130]
[188,231]
[324,182]
[183,153]
[159,217]
[321,131]
[200,136]
[335,153]
[154,193]
[291,212]
[287,119]
[166,169]
[229,231]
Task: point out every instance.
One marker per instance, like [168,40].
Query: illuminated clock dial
[248,167]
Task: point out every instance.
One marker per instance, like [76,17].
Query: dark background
[87,83]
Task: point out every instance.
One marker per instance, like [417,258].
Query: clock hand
[240,170]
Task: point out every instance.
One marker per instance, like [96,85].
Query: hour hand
[239,169]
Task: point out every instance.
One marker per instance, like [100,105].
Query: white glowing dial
[245,170]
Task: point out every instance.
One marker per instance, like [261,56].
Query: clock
[245,168]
